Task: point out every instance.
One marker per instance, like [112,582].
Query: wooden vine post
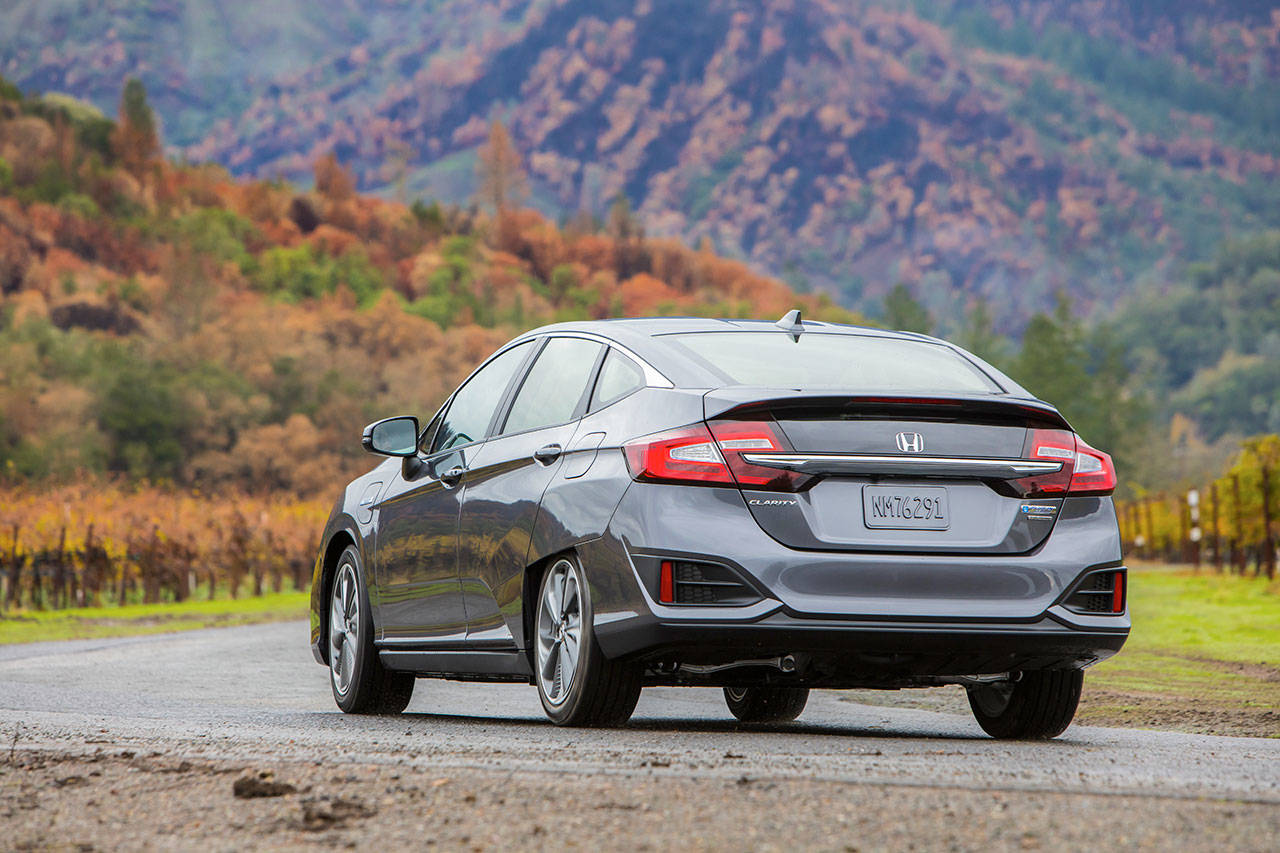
[1237,544]
[1268,540]
[1217,537]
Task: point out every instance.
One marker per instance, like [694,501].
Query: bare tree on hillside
[501,171]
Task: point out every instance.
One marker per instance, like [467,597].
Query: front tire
[578,685]
[1038,706]
[360,683]
[766,704]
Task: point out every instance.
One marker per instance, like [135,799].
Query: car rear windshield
[859,362]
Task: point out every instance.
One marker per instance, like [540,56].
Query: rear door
[506,481]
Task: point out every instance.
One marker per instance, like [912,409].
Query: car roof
[650,326]
[638,333]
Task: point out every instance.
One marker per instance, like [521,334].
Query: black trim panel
[461,665]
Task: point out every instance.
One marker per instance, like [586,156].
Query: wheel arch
[333,549]
[532,586]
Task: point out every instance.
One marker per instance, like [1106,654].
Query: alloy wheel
[344,628]
[559,632]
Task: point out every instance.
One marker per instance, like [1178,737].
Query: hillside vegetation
[1007,150]
[167,322]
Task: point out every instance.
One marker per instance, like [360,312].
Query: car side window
[555,386]
[618,377]
[469,414]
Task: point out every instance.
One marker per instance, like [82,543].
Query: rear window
[857,362]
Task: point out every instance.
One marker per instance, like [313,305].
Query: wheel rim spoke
[550,662]
[569,651]
[550,606]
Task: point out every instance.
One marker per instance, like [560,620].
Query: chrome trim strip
[937,466]
[652,377]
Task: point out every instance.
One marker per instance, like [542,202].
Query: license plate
[905,508]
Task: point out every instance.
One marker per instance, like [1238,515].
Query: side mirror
[392,437]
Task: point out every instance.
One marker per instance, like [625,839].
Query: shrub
[304,272]
[141,412]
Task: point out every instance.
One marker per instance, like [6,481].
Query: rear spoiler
[742,400]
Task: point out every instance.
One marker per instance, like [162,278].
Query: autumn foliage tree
[136,140]
[333,181]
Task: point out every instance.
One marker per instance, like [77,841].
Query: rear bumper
[858,619]
[857,653]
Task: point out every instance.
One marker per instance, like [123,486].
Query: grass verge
[1203,656]
[30,626]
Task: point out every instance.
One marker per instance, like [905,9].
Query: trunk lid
[936,474]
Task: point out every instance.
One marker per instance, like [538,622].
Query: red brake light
[1094,474]
[1085,470]
[737,438]
[698,455]
[1049,445]
[685,455]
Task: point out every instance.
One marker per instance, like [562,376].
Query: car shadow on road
[697,725]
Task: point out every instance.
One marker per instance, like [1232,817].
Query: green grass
[30,626]
[1203,656]
[1220,617]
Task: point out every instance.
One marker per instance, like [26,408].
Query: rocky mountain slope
[1007,150]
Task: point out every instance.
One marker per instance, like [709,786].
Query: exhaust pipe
[785,663]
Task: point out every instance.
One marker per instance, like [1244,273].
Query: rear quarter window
[816,360]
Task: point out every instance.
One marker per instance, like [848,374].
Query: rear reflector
[666,584]
[1098,593]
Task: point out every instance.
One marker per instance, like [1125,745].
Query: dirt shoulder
[1145,690]
[119,800]
[1178,692]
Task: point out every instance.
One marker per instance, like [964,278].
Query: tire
[766,704]
[578,685]
[359,682]
[1038,706]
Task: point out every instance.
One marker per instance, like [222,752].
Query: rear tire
[766,704]
[360,684]
[1038,706]
[578,685]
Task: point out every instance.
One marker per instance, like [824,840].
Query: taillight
[698,455]
[738,439]
[1049,445]
[1094,474]
[685,455]
[1084,471]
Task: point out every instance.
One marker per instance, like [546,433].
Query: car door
[419,596]
[505,483]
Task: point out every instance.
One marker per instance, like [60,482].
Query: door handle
[548,453]
[453,476]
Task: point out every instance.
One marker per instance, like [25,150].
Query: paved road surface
[253,695]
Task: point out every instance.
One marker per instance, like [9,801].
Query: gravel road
[157,729]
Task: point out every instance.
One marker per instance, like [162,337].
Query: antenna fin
[791,324]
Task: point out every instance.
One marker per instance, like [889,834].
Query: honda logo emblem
[910,442]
